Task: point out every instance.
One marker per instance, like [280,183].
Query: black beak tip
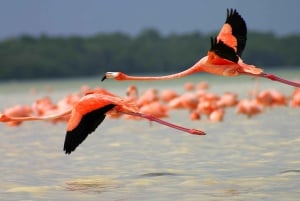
[103,78]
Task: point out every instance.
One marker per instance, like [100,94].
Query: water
[239,159]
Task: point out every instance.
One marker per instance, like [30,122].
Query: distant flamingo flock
[197,100]
[85,110]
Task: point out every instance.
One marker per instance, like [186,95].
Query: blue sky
[88,17]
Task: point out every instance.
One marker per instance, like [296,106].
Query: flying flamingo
[223,58]
[90,111]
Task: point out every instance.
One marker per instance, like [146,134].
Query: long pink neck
[193,69]
[5,118]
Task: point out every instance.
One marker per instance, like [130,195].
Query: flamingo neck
[193,69]
[5,118]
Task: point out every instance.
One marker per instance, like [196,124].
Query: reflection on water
[290,172]
[158,174]
[239,159]
[91,184]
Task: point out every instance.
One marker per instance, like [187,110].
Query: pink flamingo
[223,58]
[90,111]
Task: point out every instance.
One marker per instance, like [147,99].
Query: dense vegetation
[40,57]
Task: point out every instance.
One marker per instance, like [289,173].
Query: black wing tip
[70,142]
[68,152]
[236,21]
[230,12]
[233,13]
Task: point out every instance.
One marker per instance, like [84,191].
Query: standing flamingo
[223,58]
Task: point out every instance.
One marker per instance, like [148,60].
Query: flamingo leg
[274,78]
[279,79]
[153,118]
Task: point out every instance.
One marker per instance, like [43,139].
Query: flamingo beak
[110,75]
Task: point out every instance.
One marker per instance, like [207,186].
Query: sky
[89,17]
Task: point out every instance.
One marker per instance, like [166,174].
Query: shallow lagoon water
[238,159]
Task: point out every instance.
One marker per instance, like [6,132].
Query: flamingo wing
[221,54]
[234,31]
[88,124]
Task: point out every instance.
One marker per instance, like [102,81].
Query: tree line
[27,57]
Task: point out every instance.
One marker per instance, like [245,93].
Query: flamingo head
[114,75]
[4,118]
